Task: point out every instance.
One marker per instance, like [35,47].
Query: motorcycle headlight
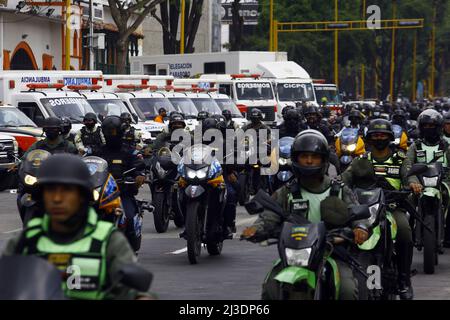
[373,210]
[430,181]
[30,180]
[351,147]
[282,161]
[299,257]
[397,141]
[96,194]
[200,174]
[191,174]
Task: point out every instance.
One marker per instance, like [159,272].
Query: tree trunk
[236,27]
[122,53]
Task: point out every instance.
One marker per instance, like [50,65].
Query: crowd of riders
[335,165]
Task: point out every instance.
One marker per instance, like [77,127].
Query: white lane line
[178,251]
[12,231]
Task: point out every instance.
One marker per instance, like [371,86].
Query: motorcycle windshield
[33,161]
[397,131]
[285,147]
[368,197]
[199,156]
[301,236]
[349,136]
[98,168]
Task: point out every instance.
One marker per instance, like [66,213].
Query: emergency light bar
[84,87]
[241,75]
[318,80]
[33,86]
[133,86]
[179,89]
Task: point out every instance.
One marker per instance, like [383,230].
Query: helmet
[66,125]
[202,115]
[380,126]
[414,112]
[311,110]
[209,123]
[90,116]
[292,115]
[125,117]
[430,116]
[65,168]
[310,141]
[112,129]
[447,117]
[255,115]
[52,127]
[176,120]
[285,110]
[161,110]
[398,116]
[227,114]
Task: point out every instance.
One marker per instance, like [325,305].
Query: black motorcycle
[164,189]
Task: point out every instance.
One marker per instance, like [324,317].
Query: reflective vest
[389,169]
[426,154]
[85,257]
[306,204]
[91,139]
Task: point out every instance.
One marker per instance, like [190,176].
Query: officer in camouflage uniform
[384,168]
[132,138]
[70,233]
[319,199]
[90,138]
[431,146]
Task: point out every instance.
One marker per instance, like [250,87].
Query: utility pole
[91,35]
[392,72]
[183,9]
[414,72]
[271,29]
[336,46]
[67,39]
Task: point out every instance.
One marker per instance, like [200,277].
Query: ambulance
[42,94]
[292,84]
[143,103]
[248,91]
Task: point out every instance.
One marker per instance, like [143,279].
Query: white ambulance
[42,94]
[248,91]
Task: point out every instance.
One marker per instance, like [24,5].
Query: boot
[405,289]
[404,255]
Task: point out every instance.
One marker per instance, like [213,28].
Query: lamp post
[183,9]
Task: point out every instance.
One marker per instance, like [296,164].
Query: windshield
[285,146]
[70,107]
[206,104]
[228,104]
[254,91]
[150,106]
[295,92]
[330,93]
[108,107]
[12,117]
[349,135]
[185,106]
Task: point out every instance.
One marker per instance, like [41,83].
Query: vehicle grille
[6,151]
[269,112]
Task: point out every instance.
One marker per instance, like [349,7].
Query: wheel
[178,217]
[194,227]
[244,195]
[161,212]
[214,248]
[429,245]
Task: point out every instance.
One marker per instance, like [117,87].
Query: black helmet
[398,116]
[52,123]
[310,141]
[90,116]
[161,110]
[125,117]
[66,125]
[202,115]
[209,123]
[430,116]
[65,168]
[285,110]
[292,115]
[221,121]
[255,115]
[177,120]
[355,114]
[380,126]
[447,117]
[112,127]
[311,110]
[227,114]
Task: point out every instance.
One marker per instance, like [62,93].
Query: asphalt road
[237,274]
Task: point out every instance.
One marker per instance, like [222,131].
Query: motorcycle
[349,146]
[308,253]
[164,177]
[28,178]
[429,235]
[25,277]
[202,194]
[284,174]
[106,192]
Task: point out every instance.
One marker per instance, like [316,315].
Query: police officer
[162,113]
[447,127]
[66,126]
[291,125]
[121,161]
[132,138]
[431,146]
[54,141]
[90,137]
[255,123]
[321,199]
[202,115]
[69,223]
[230,124]
[313,121]
[384,168]
[176,121]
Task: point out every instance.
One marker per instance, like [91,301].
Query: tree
[169,20]
[128,16]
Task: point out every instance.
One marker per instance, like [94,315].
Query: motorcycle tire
[161,212]
[178,218]
[429,245]
[244,194]
[194,227]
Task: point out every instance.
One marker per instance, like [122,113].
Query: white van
[330,93]
[248,92]
[184,105]
[42,94]
[225,103]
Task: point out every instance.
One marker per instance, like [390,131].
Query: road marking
[178,251]
[12,231]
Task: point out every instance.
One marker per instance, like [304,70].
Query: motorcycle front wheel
[429,244]
[161,212]
[194,230]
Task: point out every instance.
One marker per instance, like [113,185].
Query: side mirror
[135,117]
[136,277]
[359,212]
[417,169]
[254,207]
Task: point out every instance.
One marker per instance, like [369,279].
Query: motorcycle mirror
[359,212]
[136,277]
[254,207]
[417,169]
